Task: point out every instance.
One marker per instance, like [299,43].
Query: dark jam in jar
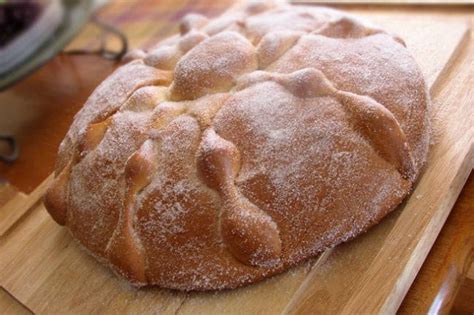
[15,17]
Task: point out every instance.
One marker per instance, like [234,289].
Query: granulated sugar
[271,87]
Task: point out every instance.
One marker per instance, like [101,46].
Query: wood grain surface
[65,278]
[444,274]
[9,305]
[17,207]
[7,192]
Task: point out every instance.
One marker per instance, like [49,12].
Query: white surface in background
[16,51]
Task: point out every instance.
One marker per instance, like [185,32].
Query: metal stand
[106,28]
[14,149]
[103,51]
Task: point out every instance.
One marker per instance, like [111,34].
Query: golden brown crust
[242,146]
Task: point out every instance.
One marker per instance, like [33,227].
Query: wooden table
[39,110]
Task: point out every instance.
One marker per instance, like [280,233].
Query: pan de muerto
[242,146]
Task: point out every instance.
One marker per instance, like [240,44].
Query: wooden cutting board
[46,271]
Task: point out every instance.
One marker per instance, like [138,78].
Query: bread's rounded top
[242,146]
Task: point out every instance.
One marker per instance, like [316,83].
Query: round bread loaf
[242,146]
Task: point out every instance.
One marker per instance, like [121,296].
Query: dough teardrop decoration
[373,120]
[382,129]
[124,249]
[248,232]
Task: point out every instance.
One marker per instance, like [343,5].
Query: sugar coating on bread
[242,146]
